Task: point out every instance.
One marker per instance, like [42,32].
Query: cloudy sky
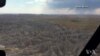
[52,7]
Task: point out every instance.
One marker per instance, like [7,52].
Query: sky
[51,7]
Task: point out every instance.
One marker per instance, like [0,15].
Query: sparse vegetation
[36,35]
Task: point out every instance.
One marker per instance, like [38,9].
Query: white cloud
[32,10]
[60,11]
[41,1]
[25,8]
[29,2]
[97,11]
[36,1]
[20,10]
[40,7]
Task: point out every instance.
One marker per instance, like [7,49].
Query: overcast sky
[52,6]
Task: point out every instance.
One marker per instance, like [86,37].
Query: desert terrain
[46,35]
